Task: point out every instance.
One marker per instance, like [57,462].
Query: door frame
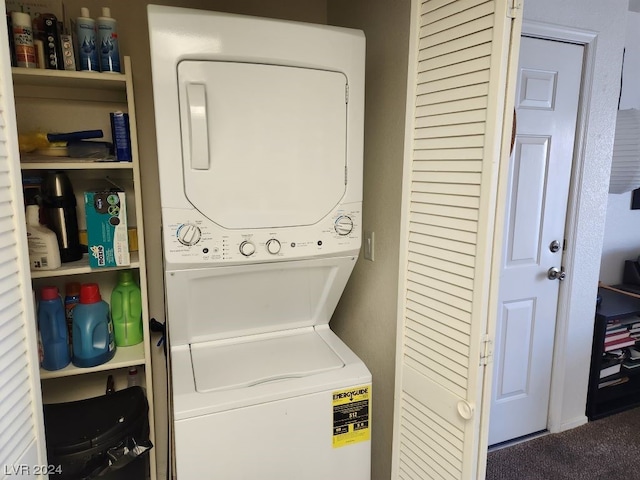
[588,40]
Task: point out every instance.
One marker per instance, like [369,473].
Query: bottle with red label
[23,40]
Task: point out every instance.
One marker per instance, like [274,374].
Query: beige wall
[366,316]
[134,42]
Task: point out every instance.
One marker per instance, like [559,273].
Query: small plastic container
[133,378]
[93,342]
[53,330]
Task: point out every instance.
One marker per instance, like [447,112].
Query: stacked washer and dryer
[260,144]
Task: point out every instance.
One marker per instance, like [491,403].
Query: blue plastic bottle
[93,342]
[53,330]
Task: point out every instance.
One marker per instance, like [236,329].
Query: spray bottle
[23,40]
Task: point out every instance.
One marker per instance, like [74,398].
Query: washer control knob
[188,234]
[247,248]
[343,225]
[273,246]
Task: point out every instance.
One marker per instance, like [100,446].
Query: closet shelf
[124,357]
[68,79]
[38,162]
[82,266]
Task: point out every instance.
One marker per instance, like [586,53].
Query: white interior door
[546,106]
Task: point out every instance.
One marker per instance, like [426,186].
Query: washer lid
[292,354]
[262,145]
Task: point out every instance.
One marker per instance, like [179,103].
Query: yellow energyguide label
[351,416]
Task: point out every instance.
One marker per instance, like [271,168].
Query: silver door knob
[556,273]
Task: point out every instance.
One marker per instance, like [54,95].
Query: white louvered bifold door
[457,98]
[21,425]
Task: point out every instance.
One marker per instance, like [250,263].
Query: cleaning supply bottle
[93,342]
[53,330]
[71,299]
[126,310]
[23,40]
[133,379]
[42,242]
[108,42]
[86,33]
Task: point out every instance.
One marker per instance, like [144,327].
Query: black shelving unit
[601,402]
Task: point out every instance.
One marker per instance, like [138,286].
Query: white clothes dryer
[260,140]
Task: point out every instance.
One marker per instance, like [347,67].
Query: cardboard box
[107,235]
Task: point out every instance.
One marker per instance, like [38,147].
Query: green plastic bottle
[126,310]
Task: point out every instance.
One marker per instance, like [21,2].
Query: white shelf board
[124,357]
[82,266]
[38,162]
[68,79]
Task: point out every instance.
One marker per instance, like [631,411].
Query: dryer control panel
[191,238]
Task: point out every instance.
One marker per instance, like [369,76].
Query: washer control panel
[190,237]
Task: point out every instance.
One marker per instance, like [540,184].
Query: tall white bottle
[108,42]
[42,242]
[86,34]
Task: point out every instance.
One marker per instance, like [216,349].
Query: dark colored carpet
[608,448]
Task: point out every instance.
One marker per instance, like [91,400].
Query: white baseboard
[576,422]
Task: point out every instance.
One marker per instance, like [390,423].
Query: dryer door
[263,145]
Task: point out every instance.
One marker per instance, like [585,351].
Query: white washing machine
[260,142]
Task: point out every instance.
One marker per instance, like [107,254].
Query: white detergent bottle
[108,42]
[42,242]
[86,36]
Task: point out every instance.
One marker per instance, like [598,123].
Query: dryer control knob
[188,234]
[273,246]
[247,248]
[343,225]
